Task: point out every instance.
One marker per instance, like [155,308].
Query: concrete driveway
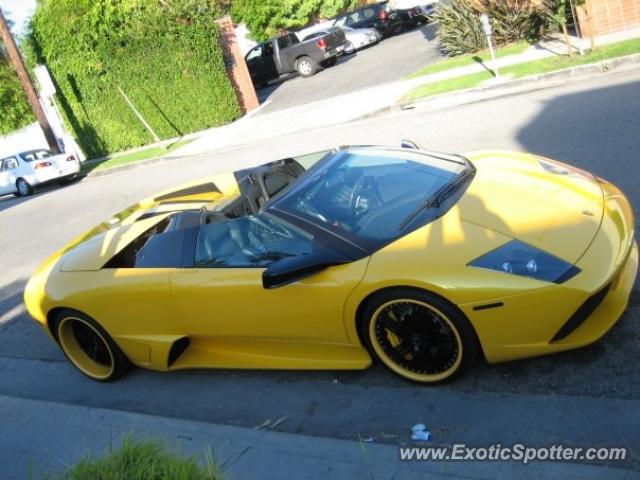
[388,61]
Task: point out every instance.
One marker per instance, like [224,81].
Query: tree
[560,18]
[268,18]
[15,59]
[14,109]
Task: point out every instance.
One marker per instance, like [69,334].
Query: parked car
[420,260]
[376,15]
[22,172]
[357,38]
[418,9]
[287,54]
[412,17]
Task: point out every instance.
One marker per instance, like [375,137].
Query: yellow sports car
[422,260]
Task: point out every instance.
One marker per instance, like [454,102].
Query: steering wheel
[364,195]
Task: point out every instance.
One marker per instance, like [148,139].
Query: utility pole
[16,60]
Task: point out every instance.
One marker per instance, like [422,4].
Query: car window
[268,50]
[9,164]
[249,242]
[340,21]
[28,156]
[315,35]
[368,13]
[275,183]
[255,53]
[40,154]
[284,42]
[366,195]
[355,17]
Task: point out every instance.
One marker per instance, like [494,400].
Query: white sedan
[20,173]
[358,38]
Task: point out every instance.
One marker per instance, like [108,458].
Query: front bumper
[535,323]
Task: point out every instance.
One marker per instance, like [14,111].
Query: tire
[349,49]
[330,62]
[306,66]
[89,347]
[440,343]
[23,188]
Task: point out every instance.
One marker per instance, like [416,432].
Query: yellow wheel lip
[418,377]
[72,350]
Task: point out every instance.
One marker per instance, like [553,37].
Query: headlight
[518,258]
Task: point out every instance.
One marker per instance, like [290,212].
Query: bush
[460,31]
[142,461]
[164,55]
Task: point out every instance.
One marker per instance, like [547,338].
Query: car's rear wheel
[418,335]
[89,347]
[23,188]
[306,66]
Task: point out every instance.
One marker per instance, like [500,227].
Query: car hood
[547,204]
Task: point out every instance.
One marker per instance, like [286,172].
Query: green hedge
[166,58]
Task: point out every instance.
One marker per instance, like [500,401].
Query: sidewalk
[40,437]
[355,105]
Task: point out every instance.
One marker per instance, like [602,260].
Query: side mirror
[292,269]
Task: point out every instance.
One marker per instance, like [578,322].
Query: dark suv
[376,15]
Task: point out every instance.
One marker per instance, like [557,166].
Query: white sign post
[66,141]
[485,20]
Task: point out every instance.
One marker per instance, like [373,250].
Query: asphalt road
[388,61]
[585,397]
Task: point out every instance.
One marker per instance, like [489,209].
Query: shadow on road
[8,201]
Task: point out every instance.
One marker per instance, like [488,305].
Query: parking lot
[388,61]
[590,396]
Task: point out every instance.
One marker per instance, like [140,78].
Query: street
[590,396]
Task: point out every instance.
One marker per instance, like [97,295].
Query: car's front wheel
[89,347]
[418,335]
[306,66]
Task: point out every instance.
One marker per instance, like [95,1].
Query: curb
[520,85]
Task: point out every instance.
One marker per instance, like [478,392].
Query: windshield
[367,194]
[35,155]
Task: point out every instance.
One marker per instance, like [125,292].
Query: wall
[236,66]
[26,138]
[609,16]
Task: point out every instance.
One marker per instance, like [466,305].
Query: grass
[137,156]
[469,59]
[142,460]
[536,67]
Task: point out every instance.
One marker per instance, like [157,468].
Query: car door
[223,298]
[255,63]
[8,175]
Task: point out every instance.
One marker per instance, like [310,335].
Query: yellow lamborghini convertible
[421,260]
